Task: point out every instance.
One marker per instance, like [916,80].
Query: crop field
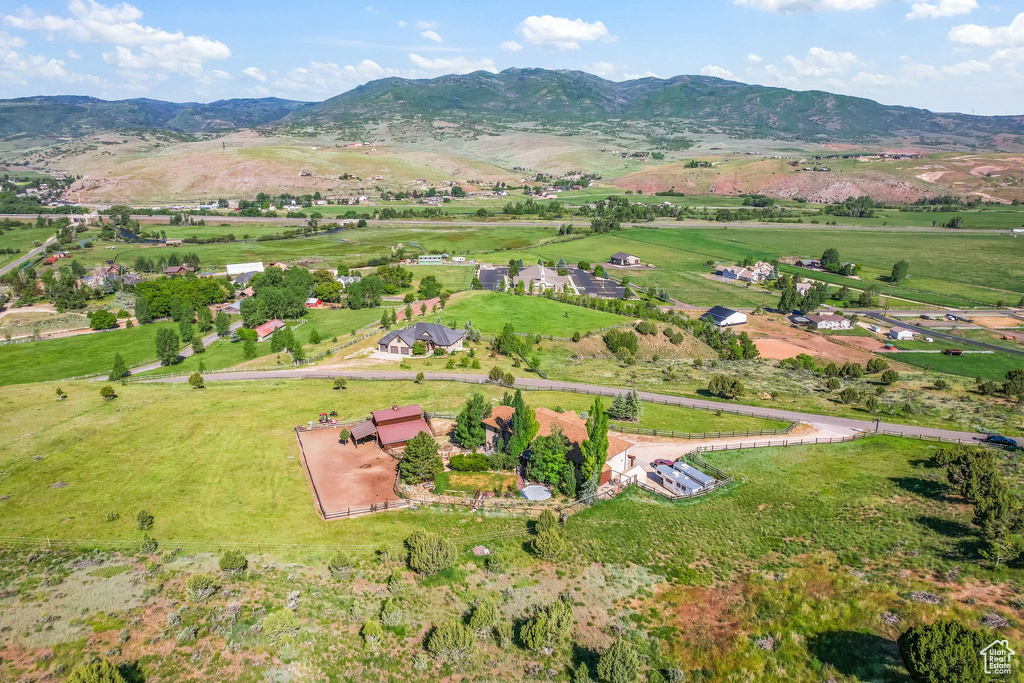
[489,311]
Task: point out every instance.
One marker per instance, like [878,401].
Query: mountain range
[553,97]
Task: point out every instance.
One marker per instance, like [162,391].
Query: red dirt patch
[345,476]
[777,339]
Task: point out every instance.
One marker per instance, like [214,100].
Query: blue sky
[945,55]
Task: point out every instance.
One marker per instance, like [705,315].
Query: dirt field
[346,476]
[776,338]
[994,321]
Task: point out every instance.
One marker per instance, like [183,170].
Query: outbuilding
[901,334]
[725,317]
[266,329]
[621,258]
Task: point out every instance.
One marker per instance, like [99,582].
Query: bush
[941,384]
[450,642]
[195,380]
[945,651]
[96,672]
[148,545]
[484,616]
[474,462]
[621,339]
[725,386]
[646,327]
[418,348]
[201,587]
[832,384]
[420,460]
[107,392]
[429,552]
[372,634]
[546,521]
[549,544]
[876,365]
[281,624]
[548,628]
[619,664]
[889,377]
[233,562]
[340,565]
[849,395]
[144,519]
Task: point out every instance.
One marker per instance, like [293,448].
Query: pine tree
[314,336]
[249,349]
[634,407]
[524,426]
[618,409]
[420,460]
[142,312]
[276,341]
[469,429]
[119,369]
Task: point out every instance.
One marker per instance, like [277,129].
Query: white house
[828,321]
[901,333]
[235,269]
[725,317]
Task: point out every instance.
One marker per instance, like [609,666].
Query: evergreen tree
[900,270]
[619,664]
[524,426]
[314,336]
[420,460]
[634,407]
[943,652]
[197,344]
[249,349]
[119,369]
[618,408]
[277,341]
[205,319]
[142,312]
[595,448]
[167,346]
[222,323]
[469,428]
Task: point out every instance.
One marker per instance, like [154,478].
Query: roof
[312,301]
[363,430]
[572,425]
[669,473]
[241,268]
[243,279]
[824,317]
[622,255]
[432,332]
[542,274]
[719,313]
[248,291]
[401,431]
[693,473]
[397,413]
[899,330]
[269,327]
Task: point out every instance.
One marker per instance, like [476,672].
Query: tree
[450,642]
[142,312]
[889,377]
[249,349]
[469,428]
[205,319]
[102,320]
[233,562]
[899,271]
[222,323]
[830,258]
[429,287]
[372,633]
[418,348]
[549,544]
[197,344]
[420,460]
[1013,387]
[876,365]
[340,383]
[107,392]
[725,386]
[195,380]
[167,346]
[943,652]
[595,448]
[548,628]
[185,330]
[96,672]
[484,616]
[547,458]
[430,552]
[314,336]
[523,427]
[619,664]
[119,369]
[788,301]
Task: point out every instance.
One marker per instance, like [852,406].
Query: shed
[725,317]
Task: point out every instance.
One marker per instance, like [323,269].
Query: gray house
[433,336]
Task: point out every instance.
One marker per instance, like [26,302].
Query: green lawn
[23,239]
[992,366]
[79,355]
[470,482]
[489,312]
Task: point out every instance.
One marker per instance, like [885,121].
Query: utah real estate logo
[997,658]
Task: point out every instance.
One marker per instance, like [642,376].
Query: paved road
[931,332]
[30,254]
[530,382]
[207,340]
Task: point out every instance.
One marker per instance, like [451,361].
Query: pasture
[23,239]
[489,311]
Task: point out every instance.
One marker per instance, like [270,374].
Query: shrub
[548,628]
[96,672]
[420,377]
[546,521]
[201,587]
[474,462]
[646,327]
[418,348]
[340,565]
[390,613]
[450,642]
[503,634]
[619,664]
[281,624]
[549,544]
[889,377]
[832,384]
[340,383]
[144,519]
[372,634]
[725,386]
[148,545]
[941,652]
[187,635]
[233,562]
[483,617]
[849,395]
[876,365]
[941,384]
[621,339]
[107,392]
[420,460]
[429,552]
[195,380]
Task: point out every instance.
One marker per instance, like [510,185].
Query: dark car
[663,461]
[999,440]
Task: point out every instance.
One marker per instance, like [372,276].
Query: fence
[631,429]
[365,510]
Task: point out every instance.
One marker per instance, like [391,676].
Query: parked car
[662,461]
[1000,440]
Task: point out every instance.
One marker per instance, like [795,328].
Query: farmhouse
[433,336]
[171,271]
[828,321]
[758,272]
[901,333]
[393,426]
[807,263]
[621,258]
[346,280]
[236,269]
[574,427]
[724,317]
[266,329]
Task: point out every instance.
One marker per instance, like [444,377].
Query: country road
[28,255]
[536,383]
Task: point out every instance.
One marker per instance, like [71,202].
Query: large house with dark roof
[433,336]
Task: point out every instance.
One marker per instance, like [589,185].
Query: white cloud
[219,74]
[717,72]
[754,59]
[966,68]
[432,35]
[22,69]
[426,24]
[821,62]
[941,8]
[973,34]
[453,65]
[646,74]
[253,72]
[560,33]
[326,79]
[602,69]
[789,6]
[402,23]
[73,55]
[777,77]
[511,46]
[118,25]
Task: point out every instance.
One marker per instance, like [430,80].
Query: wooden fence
[634,429]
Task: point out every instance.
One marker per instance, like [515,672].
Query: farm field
[993,366]
[197,474]
[22,239]
[490,311]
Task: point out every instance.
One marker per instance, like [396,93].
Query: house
[433,336]
[901,333]
[725,317]
[243,279]
[346,280]
[828,321]
[807,263]
[759,272]
[236,269]
[171,271]
[278,265]
[431,259]
[172,242]
[247,292]
[621,258]
[802,288]
[393,426]
[313,302]
[497,429]
[543,278]
[264,331]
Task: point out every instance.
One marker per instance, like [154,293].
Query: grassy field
[470,482]
[992,366]
[216,464]
[489,311]
[22,239]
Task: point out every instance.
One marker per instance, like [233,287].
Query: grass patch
[112,570]
[992,366]
[471,482]
[489,312]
